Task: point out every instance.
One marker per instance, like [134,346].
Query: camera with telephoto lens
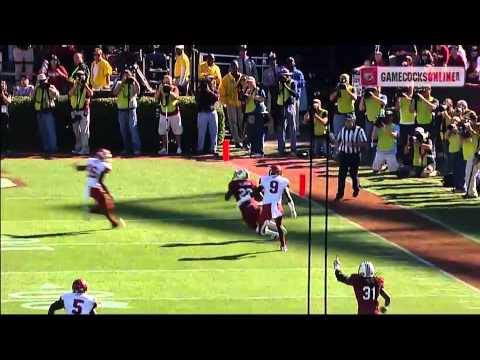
[452,127]
[381,121]
[368,93]
[465,131]
[417,92]
[418,137]
[167,88]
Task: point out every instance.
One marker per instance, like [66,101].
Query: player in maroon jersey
[367,288]
[248,196]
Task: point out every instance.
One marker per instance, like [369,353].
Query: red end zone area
[446,249]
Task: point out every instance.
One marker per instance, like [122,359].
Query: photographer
[287,93]
[79,96]
[385,135]
[127,91]
[470,139]
[254,108]
[5,101]
[420,149]
[423,104]
[167,95]
[210,69]
[372,104]
[319,117]
[206,99]
[44,97]
[344,96]
[456,163]
[445,115]
[407,120]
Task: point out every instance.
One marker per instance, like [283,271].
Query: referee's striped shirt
[348,140]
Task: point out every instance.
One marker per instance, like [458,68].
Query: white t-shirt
[78,303]
[273,186]
[95,168]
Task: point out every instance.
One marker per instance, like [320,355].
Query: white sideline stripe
[126,219]
[418,258]
[248,298]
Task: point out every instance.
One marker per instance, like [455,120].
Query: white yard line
[126,219]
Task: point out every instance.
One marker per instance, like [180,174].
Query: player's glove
[292,210]
[336,263]
[383,309]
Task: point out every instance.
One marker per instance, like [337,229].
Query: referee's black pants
[348,164]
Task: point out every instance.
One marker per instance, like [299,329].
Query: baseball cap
[180,47]
[41,77]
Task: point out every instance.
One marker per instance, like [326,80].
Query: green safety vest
[250,103]
[454,144]
[345,103]
[284,95]
[124,96]
[385,141]
[424,113]
[318,128]
[406,117]
[168,105]
[42,100]
[78,99]
[417,159]
[469,146]
[373,108]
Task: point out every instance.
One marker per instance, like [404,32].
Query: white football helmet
[366,269]
[240,174]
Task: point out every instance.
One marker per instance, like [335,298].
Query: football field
[185,250]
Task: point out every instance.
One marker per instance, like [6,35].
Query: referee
[349,141]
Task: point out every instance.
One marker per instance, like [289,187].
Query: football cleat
[283,249]
[240,174]
[275,170]
[366,269]
[79,286]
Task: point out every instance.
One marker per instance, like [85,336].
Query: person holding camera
[349,142]
[167,95]
[444,117]
[373,105]
[287,94]
[470,139]
[79,65]
[79,96]
[455,161]
[5,101]
[210,69]
[385,135]
[126,92]
[254,110]
[319,117]
[44,97]
[344,96]
[420,149]
[407,120]
[206,98]
[424,105]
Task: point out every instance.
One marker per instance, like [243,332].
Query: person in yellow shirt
[320,127]
[470,139]
[229,91]
[456,163]
[182,70]
[101,70]
[210,69]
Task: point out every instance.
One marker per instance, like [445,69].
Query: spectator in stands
[424,104]
[23,57]
[378,59]
[344,96]
[44,97]
[127,91]
[456,162]
[300,85]
[407,120]
[271,75]
[385,135]
[5,101]
[57,75]
[286,97]
[319,117]
[440,54]
[206,99]
[425,58]
[473,69]
[100,71]
[25,88]
[399,53]
[79,96]
[182,70]
[79,65]
[246,65]
[254,110]
[167,95]
[210,69]
[455,58]
[373,103]
[229,96]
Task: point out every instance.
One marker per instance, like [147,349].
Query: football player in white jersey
[97,168]
[78,302]
[273,187]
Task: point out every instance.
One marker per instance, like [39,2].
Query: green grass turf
[185,250]
[428,197]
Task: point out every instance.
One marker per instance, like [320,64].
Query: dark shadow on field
[68,233]
[214,243]
[229,257]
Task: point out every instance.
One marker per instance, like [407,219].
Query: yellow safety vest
[168,105]
[345,103]
[385,141]
[250,103]
[78,99]
[284,94]
[424,113]
[42,100]
[124,96]
[417,158]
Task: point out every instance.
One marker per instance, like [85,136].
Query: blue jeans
[457,164]
[207,120]
[127,119]
[320,145]
[46,126]
[256,134]
[287,118]
[369,153]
